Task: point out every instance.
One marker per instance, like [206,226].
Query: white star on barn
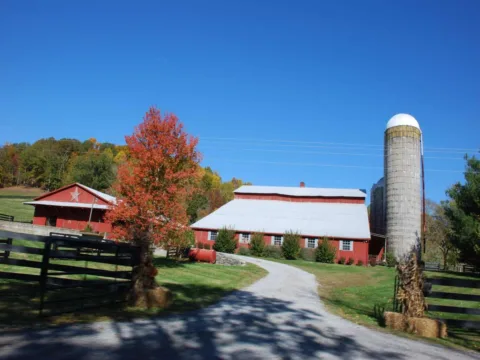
[75,194]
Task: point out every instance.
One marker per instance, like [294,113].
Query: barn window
[311,243]
[277,240]
[212,235]
[245,238]
[346,245]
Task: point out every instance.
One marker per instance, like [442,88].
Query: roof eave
[278,233]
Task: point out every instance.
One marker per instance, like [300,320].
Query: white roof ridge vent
[300,191]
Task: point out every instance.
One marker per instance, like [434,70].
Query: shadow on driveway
[244,327]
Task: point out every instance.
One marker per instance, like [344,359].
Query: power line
[248,143]
[325,143]
[321,165]
[320,152]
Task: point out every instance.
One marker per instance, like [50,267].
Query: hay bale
[427,327]
[158,297]
[395,321]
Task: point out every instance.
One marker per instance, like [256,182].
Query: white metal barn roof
[300,191]
[109,198]
[270,216]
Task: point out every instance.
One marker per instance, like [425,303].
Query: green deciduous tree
[94,169]
[439,246]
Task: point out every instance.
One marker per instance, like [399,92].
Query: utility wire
[316,152]
[319,165]
[378,146]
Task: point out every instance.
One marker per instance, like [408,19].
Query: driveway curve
[278,317]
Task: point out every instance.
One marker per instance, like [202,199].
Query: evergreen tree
[291,245]
[463,212]
[225,241]
[257,245]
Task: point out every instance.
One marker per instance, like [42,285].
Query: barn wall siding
[360,246]
[302,199]
[72,218]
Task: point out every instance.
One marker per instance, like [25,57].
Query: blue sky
[306,72]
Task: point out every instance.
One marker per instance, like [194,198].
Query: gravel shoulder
[278,317]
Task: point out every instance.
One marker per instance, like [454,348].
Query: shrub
[207,246]
[372,261]
[200,245]
[291,245]
[307,254]
[88,228]
[350,261]
[272,251]
[359,263]
[391,260]
[257,245]
[244,251]
[189,238]
[325,252]
[225,241]
[342,260]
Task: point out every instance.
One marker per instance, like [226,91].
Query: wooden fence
[55,268]
[472,299]
[5,217]
[452,296]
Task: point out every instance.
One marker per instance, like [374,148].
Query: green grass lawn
[362,294]
[194,285]
[12,199]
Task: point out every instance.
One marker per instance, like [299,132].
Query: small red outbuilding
[73,207]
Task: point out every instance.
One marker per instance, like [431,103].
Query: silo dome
[402,119]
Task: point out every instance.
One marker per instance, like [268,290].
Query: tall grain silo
[403,179]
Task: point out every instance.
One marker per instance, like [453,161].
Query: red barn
[73,207]
[337,214]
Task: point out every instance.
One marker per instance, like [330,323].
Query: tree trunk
[143,278]
[445,256]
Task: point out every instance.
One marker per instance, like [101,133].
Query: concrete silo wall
[403,189]
[377,208]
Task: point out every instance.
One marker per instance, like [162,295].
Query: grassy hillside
[12,199]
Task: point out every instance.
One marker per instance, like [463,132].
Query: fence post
[395,305]
[115,278]
[6,254]
[44,273]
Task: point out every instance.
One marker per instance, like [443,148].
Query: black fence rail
[5,217]
[68,272]
[452,308]
[451,299]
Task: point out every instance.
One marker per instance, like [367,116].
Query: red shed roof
[88,198]
[108,198]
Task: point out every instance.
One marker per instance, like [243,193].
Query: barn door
[51,221]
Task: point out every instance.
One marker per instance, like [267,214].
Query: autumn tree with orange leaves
[152,188]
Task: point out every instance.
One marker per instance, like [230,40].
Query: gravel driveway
[279,317]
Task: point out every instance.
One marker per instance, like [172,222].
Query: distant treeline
[50,164]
